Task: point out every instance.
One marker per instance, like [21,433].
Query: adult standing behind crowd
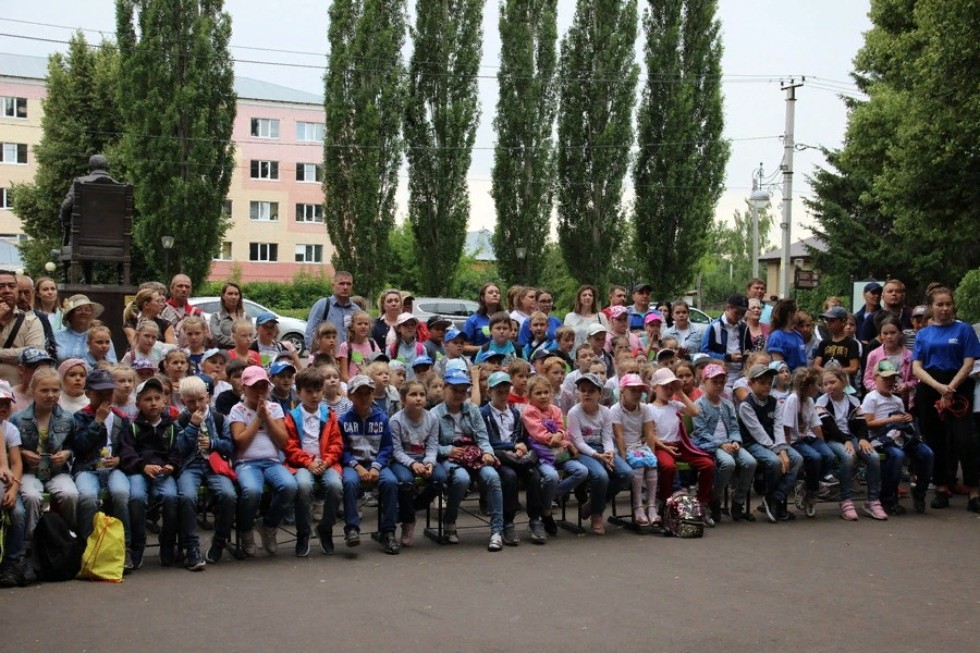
[477,326]
[688,334]
[46,302]
[942,361]
[758,333]
[148,305]
[872,302]
[757,288]
[525,303]
[640,307]
[232,308]
[785,342]
[384,332]
[585,312]
[18,330]
[180,290]
[893,299]
[336,309]
[25,302]
[617,297]
[725,337]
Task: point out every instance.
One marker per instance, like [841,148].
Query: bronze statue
[98,172]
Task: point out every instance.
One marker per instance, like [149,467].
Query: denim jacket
[472,423]
[61,432]
[90,437]
[706,422]
[187,437]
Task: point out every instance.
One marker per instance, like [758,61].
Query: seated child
[804,432]
[73,372]
[227,399]
[13,567]
[334,396]
[325,343]
[281,374]
[123,399]
[636,442]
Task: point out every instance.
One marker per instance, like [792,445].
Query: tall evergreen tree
[598,76]
[523,166]
[363,100]
[680,167]
[440,126]
[177,100]
[81,118]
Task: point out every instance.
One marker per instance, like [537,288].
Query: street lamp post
[168,244]
[758,200]
[521,256]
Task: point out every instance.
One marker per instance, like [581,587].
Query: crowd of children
[514,400]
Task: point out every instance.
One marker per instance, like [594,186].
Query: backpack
[57,549]
[682,515]
[105,552]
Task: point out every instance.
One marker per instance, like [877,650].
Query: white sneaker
[496,542]
[268,536]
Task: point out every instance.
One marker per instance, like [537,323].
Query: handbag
[471,456]
[105,550]
[641,457]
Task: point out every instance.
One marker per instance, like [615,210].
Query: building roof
[479,245]
[799,249]
[30,67]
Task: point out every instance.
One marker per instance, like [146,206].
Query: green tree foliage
[440,127]
[81,118]
[177,101]
[598,75]
[363,100]
[727,264]
[556,277]
[523,166]
[903,195]
[968,297]
[680,166]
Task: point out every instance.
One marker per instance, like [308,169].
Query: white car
[290,328]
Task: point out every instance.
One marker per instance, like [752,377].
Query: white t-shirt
[632,422]
[667,420]
[590,431]
[262,446]
[881,406]
[310,438]
[800,424]
[11,435]
[842,409]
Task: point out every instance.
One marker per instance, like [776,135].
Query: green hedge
[286,298]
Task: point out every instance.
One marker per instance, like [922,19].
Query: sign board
[806,278]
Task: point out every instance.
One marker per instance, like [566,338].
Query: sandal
[640,517]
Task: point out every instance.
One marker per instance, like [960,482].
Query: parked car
[698,316]
[290,328]
[454,310]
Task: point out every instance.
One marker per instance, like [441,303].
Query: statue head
[98,162]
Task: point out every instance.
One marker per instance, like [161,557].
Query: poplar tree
[440,126]
[598,76]
[363,101]
[680,166]
[177,100]
[523,167]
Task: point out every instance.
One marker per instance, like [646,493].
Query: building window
[309,253]
[265,128]
[263,211]
[264,252]
[265,170]
[309,213]
[14,153]
[308,172]
[226,209]
[224,251]
[309,131]
[6,199]
[16,107]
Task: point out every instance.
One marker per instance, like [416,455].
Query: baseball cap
[835,313]
[653,316]
[456,377]
[378,356]
[34,356]
[279,368]
[143,364]
[711,371]
[6,392]
[254,374]
[396,365]
[633,381]
[455,364]
[214,351]
[589,377]
[700,359]
[739,301]
[152,383]
[873,287]
[595,328]
[498,378]
[540,354]
[486,355]
[759,371]
[266,317]
[452,334]
[885,369]
[421,360]
[666,352]
[920,310]
[359,381]
[405,317]
[99,380]
[640,287]
[617,311]
[208,383]
[663,376]
[436,322]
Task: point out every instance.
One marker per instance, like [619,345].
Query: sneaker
[830,480]
[777,509]
[550,525]
[325,535]
[10,575]
[246,543]
[707,517]
[895,508]
[784,513]
[390,544]
[739,514]
[768,508]
[973,504]
[136,557]
[268,536]
[371,500]
[167,555]
[408,534]
[302,545]
[193,560]
[538,535]
[217,548]
[510,535]
[714,509]
[598,525]
[919,503]
[352,537]
[940,500]
[128,562]
[810,505]
[449,533]
[496,543]
[874,510]
[847,510]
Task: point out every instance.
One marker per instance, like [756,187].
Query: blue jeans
[434,486]
[778,485]
[223,493]
[141,490]
[15,544]
[891,469]
[387,499]
[845,471]
[252,477]
[818,460]
[326,485]
[603,484]
[489,482]
[89,484]
[741,465]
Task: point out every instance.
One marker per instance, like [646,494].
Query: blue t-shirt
[477,329]
[944,347]
[790,345]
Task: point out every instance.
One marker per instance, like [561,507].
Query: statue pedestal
[114,299]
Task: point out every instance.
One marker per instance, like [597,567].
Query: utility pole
[788,148]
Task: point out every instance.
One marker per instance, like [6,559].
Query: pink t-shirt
[357,354]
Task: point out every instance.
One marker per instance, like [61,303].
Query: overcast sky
[765,41]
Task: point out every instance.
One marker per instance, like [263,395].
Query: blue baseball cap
[452,334]
[279,368]
[456,377]
[486,355]
[208,383]
[263,318]
[421,360]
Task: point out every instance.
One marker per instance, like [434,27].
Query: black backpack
[57,549]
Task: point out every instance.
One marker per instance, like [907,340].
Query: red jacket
[331,442]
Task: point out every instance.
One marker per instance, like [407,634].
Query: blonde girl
[325,342]
[243,335]
[46,301]
[123,399]
[99,345]
[354,353]
[194,335]
[146,345]
[147,305]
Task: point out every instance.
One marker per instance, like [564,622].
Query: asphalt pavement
[822,584]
